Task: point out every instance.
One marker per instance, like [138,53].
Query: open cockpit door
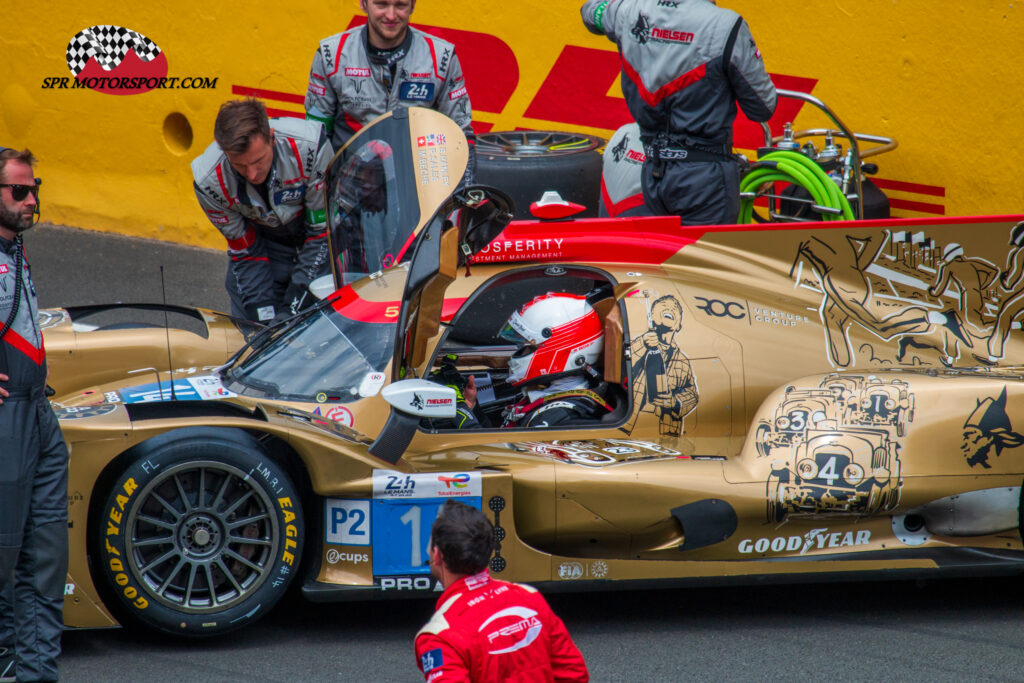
[384,186]
[464,225]
[461,227]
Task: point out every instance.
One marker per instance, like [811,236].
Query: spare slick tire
[528,163]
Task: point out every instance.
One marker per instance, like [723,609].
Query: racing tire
[528,163]
[200,535]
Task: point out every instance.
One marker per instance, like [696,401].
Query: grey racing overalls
[348,88]
[685,65]
[33,483]
[277,244]
[621,173]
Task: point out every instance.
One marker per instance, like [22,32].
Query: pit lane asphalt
[952,630]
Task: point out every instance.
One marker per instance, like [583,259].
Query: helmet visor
[519,362]
[509,334]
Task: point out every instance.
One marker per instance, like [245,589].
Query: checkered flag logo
[108,44]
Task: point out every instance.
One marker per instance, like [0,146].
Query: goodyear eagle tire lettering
[201,534]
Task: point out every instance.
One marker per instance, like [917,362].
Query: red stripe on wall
[276,113]
[916,188]
[268,94]
[923,207]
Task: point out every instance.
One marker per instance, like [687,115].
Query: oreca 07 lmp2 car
[787,402]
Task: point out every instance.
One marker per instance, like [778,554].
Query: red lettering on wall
[575,90]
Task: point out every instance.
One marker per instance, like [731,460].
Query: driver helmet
[554,333]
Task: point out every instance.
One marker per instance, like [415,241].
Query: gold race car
[786,402]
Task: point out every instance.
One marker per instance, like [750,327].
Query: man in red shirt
[485,629]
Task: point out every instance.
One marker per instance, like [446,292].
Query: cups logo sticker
[116,60]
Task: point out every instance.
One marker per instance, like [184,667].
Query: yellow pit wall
[943,78]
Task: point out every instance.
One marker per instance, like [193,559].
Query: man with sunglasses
[33,457]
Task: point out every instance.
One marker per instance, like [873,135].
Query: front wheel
[200,535]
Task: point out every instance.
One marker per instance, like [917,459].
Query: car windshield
[372,203]
[322,356]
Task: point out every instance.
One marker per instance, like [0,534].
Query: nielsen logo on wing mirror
[421,398]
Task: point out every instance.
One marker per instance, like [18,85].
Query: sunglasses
[19,192]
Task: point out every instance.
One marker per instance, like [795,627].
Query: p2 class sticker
[347,522]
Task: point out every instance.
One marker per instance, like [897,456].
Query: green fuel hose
[792,167]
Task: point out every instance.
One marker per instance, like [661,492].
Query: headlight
[807,468]
[817,416]
[866,402]
[853,474]
[783,422]
[890,404]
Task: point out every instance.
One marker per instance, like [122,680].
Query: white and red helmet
[555,333]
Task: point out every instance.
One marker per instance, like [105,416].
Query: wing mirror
[421,398]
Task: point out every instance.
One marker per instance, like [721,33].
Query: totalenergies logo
[459,481]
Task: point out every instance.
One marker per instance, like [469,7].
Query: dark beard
[14,222]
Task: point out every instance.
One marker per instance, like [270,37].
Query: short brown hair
[7,154]
[238,121]
[464,536]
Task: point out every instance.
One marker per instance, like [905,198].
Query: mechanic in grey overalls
[33,456]
[685,65]
[621,175]
[262,185]
[368,70]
